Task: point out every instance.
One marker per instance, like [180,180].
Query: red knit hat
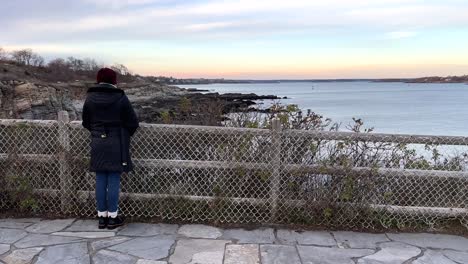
[106,75]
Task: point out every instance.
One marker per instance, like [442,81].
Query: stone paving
[74,241]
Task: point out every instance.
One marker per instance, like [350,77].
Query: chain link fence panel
[239,175]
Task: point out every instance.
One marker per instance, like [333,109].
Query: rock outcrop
[26,100]
[26,94]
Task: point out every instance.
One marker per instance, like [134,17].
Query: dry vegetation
[59,69]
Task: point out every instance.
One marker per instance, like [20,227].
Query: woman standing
[109,116]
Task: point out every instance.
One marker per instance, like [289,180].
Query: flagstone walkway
[79,241]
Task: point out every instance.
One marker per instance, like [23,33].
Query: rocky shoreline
[153,101]
[29,97]
[21,99]
[434,79]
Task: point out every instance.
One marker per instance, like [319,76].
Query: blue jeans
[107,191]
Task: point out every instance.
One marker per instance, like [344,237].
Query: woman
[109,116]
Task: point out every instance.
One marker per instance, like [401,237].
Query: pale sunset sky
[255,39]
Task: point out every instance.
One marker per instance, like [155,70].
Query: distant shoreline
[206,82]
[440,80]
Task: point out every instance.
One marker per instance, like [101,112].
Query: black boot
[103,221]
[115,222]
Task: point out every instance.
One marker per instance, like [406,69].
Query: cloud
[140,18]
[412,15]
[301,28]
[400,34]
[236,7]
[117,4]
[209,26]
[91,23]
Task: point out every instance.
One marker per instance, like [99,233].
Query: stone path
[79,241]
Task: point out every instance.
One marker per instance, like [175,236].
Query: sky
[248,39]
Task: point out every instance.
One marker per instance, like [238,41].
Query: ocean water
[426,109]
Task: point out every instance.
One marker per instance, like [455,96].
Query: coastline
[463,79]
[393,107]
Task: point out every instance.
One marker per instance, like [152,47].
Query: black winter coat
[109,116]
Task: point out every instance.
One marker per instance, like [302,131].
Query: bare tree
[90,65]
[75,64]
[23,57]
[57,65]
[37,60]
[3,54]
[121,69]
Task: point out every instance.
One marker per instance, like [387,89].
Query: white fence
[239,175]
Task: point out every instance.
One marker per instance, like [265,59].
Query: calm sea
[430,109]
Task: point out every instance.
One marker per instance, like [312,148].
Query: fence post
[276,166]
[64,148]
